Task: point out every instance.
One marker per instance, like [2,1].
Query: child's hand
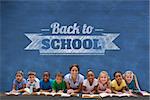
[21,90]
[130,91]
[108,91]
[41,91]
[60,91]
[91,93]
[13,91]
[53,91]
[119,92]
[70,91]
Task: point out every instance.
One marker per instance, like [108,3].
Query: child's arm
[14,87]
[24,86]
[94,90]
[125,87]
[54,88]
[41,86]
[21,90]
[41,89]
[113,90]
[123,90]
[136,82]
[84,90]
[84,87]
[98,89]
[108,89]
[63,87]
[37,87]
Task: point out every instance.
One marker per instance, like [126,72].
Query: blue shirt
[19,85]
[74,85]
[46,85]
[132,85]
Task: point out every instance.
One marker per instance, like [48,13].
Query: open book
[123,95]
[144,93]
[102,95]
[12,93]
[55,94]
[90,95]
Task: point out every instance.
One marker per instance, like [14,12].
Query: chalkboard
[128,18]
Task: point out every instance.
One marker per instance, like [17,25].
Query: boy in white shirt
[33,82]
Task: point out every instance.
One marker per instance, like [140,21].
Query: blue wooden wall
[129,18]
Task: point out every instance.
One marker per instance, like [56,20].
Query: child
[46,82]
[74,80]
[59,84]
[90,84]
[118,85]
[104,83]
[19,83]
[33,82]
[131,81]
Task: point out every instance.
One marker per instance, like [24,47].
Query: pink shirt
[103,87]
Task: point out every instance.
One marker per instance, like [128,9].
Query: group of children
[74,82]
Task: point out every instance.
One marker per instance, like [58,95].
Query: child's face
[58,79]
[129,78]
[118,77]
[31,78]
[90,76]
[46,77]
[19,77]
[74,71]
[103,78]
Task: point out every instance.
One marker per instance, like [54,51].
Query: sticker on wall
[72,40]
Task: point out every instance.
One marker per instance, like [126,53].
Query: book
[102,95]
[52,94]
[90,95]
[124,95]
[144,93]
[12,93]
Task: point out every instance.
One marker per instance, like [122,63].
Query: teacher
[74,79]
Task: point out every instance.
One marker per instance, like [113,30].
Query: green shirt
[57,87]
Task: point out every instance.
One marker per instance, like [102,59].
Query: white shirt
[35,84]
[89,87]
[74,85]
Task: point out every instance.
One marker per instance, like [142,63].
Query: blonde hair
[134,78]
[128,72]
[104,72]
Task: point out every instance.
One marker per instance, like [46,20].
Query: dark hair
[20,72]
[46,72]
[74,65]
[59,74]
[117,72]
[32,73]
[89,70]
